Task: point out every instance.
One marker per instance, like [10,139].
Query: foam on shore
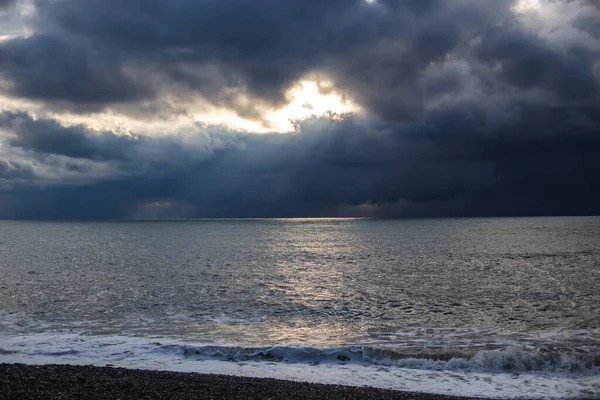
[511,372]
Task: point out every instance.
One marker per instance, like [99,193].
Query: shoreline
[21,381]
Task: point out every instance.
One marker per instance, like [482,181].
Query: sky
[162,109]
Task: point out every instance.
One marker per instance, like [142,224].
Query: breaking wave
[513,359]
[70,347]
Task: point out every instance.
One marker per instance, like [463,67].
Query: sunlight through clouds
[309,99]
[545,12]
[301,108]
[527,5]
[305,99]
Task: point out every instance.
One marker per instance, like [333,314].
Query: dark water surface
[427,288]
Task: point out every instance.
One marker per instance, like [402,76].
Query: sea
[498,308]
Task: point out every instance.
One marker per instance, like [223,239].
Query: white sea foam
[512,372]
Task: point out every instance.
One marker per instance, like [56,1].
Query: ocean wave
[513,359]
[522,358]
[508,372]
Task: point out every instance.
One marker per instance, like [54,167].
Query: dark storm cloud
[331,167]
[6,3]
[13,171]
[50,68]
[210,46]
[474,113]
[527,61]
[374,51]
[48,137]
[327,164]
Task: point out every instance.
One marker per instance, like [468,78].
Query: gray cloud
[376,52]
[328,166]
[473,112]
[526,61]
[49,137]
[49,68]
[6,3]
[10,170]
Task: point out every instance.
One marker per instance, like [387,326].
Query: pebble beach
[19,381]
